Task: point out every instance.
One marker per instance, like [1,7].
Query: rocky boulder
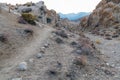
[40,10]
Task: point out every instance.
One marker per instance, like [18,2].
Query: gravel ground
[110,50]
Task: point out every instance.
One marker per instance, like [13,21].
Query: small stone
[59,41]
[78,51]
[46,45]
[42,49]
[22,66]
[107,64]
[113,52]
[73,44]
[31,60]
[80,60]
[17,79]
[113,65]
[26,10]
[39,55]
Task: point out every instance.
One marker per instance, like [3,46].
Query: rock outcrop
[106,15]
[39,9]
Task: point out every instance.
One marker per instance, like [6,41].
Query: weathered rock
[3,38]
[78,51]
[28,31]
[43,15]
[61,33]
[105,16]
[26,10]
[42,49]
[22,66]
[80,60]
[39,55]
[74,44]
[59,40]
[46,45]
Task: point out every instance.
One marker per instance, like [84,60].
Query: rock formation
[105,15]
[39,9]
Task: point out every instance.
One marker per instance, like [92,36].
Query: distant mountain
[73,16]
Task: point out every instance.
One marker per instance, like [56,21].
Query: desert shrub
[29,18]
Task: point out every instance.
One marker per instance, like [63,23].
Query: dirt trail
[109,48]
[30,49]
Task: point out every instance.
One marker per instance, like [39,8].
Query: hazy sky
[64,6]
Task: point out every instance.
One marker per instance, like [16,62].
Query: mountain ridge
[74,16]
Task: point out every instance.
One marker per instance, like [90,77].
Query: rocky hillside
[52,48]
[106,16]
[43,15]
[39,10]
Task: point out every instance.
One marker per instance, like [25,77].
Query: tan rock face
[106,14]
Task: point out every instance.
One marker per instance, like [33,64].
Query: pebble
[46,45]
[113,65]
[113,52]
[78,51]
[59,40]
[39,55]
[31,60]
[42,49]
[22,66]
[107,64]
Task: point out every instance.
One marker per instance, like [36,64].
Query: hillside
[35,44]
[104,20]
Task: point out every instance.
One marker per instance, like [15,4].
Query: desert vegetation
[30,18]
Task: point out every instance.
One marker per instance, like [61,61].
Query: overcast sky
[64,6]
